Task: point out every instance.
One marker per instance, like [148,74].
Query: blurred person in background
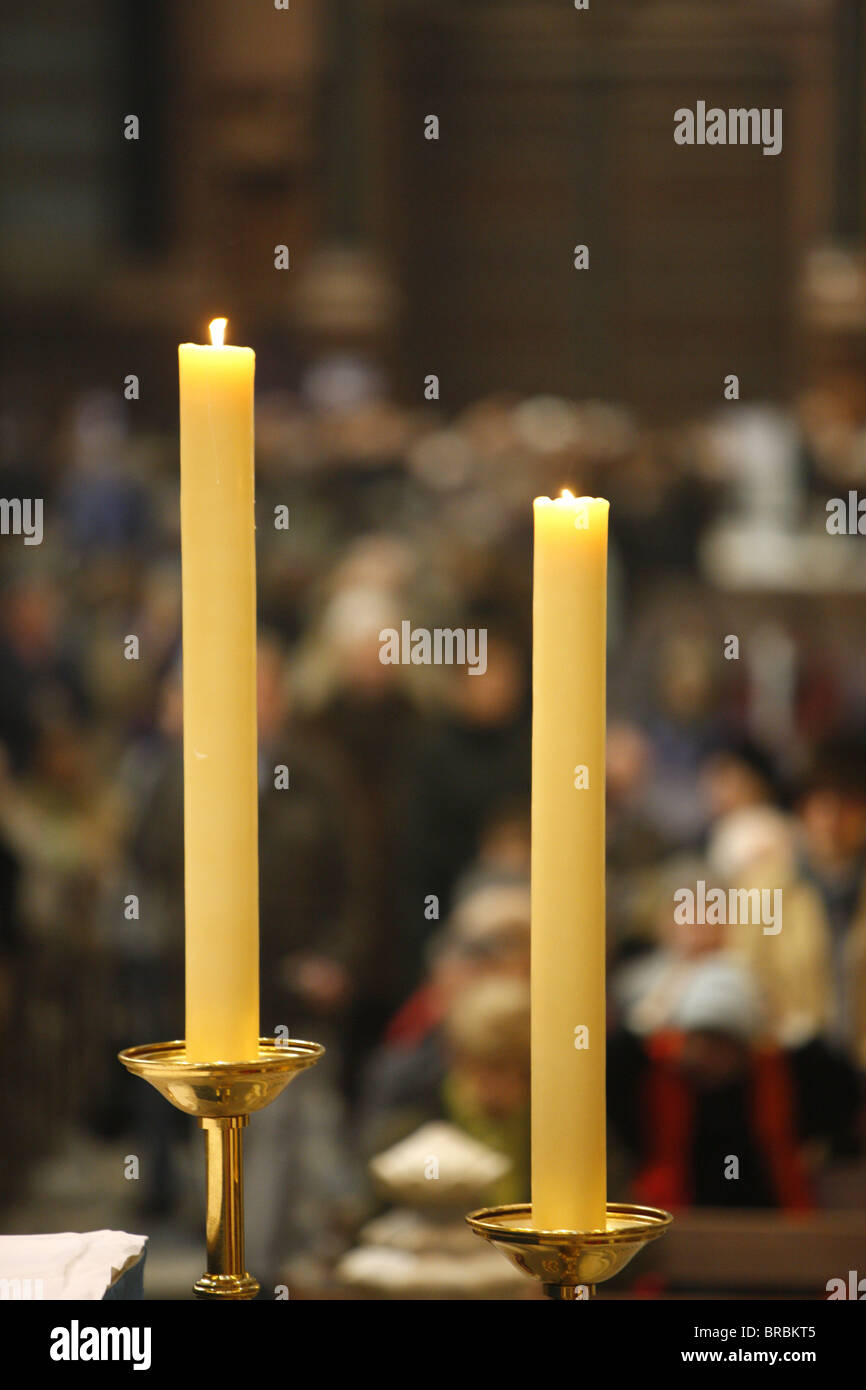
[465,763]
[476,1076]
[683,726]
[486,937]
[736,776]
[488,930]
[831,811]
[40,671]
[634,842]
[62,820]
[645,986]
[61,823]
[713,1114]
[307,916]
[122,692]
[307,864]
[504,850]
[104,507]
[753,848]
[486,1089]
[361,710]
[147,947]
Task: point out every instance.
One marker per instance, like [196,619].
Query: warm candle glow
[218,332]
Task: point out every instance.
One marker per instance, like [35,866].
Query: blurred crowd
[394,873]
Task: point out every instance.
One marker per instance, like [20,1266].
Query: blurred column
[343,121]
[144,81]
[850,57]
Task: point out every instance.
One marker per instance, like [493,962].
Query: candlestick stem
[224,1224]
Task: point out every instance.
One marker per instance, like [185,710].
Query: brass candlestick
[222,1096]
[567,1262]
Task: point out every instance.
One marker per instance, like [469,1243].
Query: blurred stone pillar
[849,210]
[343,123]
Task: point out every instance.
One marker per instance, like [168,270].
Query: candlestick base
[226,1286]
[222,1096]
[569,1262]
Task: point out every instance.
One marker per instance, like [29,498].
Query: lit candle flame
[218,332]
[567,494]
